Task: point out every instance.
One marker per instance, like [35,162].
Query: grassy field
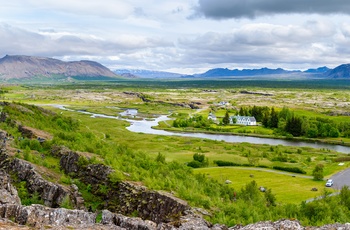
[288,189]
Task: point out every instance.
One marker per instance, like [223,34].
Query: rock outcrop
[8,193]
[52,194]
[123,197]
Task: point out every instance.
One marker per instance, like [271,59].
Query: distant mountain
[323,69]
[224,72]
[28,67]
[342,71]
[141,73]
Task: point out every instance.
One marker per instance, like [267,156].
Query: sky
[183,36]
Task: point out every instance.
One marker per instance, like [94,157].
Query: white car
[329,183]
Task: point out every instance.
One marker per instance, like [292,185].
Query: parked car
[329,183]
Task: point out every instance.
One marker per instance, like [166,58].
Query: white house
[243,120]
[212,117]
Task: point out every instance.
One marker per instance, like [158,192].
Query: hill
[224,72]
[342,71]
[27,67]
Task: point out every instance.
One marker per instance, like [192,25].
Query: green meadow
[160,162]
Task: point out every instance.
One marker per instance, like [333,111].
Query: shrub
[342,159]
[194,164]
[289,169]
[160,158]
[66,203]
[318,172]
[221,163]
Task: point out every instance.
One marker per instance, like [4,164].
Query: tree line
[288,123]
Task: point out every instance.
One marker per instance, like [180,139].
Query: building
[212,117]
[243,120]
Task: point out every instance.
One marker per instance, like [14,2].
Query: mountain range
[342,71]
[19,67]
[141,73]
[28,67]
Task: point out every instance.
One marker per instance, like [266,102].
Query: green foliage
[160,158]
[317,173]
[26,197]
[345,196]
[251,192]
[199,160]
[67,203]
[294,126]
[226,119]
[289,169]
[246,206]
[222,163]
[197,121]
[270,198]
[342,159]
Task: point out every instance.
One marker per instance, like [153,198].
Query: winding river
[145,126]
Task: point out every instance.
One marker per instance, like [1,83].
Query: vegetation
[161,162]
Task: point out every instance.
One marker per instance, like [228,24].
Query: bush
[318,172]
[199,160]
[342,159]
[289,169]
[226,163]
[194,164]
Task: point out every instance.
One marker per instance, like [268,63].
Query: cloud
[102,8]
[224,9]
[262,44]
[50,43]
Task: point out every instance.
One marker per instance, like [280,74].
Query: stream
[145,126]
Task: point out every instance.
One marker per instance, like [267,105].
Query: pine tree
[226,119]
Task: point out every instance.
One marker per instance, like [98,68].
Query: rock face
[52,194]
[21,67]
[38,216]
[124,197]
[8,193]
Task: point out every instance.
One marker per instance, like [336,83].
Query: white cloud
[158,34]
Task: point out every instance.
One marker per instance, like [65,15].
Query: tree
[294,126]
[273,119]
[318,172]
[270,198]
[226,119]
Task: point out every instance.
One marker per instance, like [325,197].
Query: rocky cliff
[123,197]
[26,67]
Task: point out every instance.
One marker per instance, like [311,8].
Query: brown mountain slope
[26,67]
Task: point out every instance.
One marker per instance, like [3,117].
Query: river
[145,126]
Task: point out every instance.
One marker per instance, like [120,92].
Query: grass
[287,189]
[99,99]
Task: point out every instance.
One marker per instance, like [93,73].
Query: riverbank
[151,126]
[304,139]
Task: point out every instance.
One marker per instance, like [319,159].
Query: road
[342,178]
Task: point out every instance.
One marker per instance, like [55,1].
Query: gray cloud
[224,9]
[258,45]
[52,43]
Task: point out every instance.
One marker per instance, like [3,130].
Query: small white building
[212,117]
[223,103]
[243,120]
